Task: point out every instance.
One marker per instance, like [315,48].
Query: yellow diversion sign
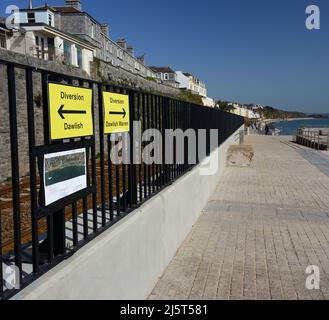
[116,113]
[70,112]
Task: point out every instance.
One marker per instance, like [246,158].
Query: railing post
[15,167]
[132,166]
[101,146]
[33,171]
[94,165]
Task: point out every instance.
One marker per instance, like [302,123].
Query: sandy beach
[289,119]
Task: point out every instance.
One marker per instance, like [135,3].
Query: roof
[37,9]
[162,69]
[66,9]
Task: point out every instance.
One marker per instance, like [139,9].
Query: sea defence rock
[240,156]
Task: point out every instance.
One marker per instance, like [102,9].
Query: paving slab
[261,229]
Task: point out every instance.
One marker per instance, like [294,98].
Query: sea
[290,127]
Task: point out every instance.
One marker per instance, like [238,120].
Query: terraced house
[70,35]
[166,75]
[189,82]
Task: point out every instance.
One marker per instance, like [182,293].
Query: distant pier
[316,138]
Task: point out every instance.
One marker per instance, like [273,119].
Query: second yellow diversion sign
[116,113]
[70,112]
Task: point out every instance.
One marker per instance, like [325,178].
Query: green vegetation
[273,113]
[151,79]
[190,97]
[224,106]
[266,113]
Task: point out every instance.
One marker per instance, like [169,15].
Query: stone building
[35,32]
[70,35]
[71,19]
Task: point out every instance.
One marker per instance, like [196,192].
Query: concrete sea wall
[126,261]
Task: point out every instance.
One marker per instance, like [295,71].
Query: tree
[223,105]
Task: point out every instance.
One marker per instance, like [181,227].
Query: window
[166,76]
[3,39]
[31,17]
[67,52]
[43,48]
[120,54]
[37,44]
[79,53]
[50,19]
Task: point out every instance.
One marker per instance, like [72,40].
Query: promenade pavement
[262,227]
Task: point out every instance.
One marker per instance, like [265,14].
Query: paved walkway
[261,229]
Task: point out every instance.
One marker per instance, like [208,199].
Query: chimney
[141,59]
[30,4]
[74,3]
[122,43]
[130,50]
[105,29]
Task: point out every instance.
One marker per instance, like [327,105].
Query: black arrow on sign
[61,112]
[123,113]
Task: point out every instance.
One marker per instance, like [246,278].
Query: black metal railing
[35,237]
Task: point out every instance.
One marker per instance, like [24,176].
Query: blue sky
[248,51]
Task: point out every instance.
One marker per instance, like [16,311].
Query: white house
[208,102]
[189,82]
[244,112]
[39,36]
[166,75]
